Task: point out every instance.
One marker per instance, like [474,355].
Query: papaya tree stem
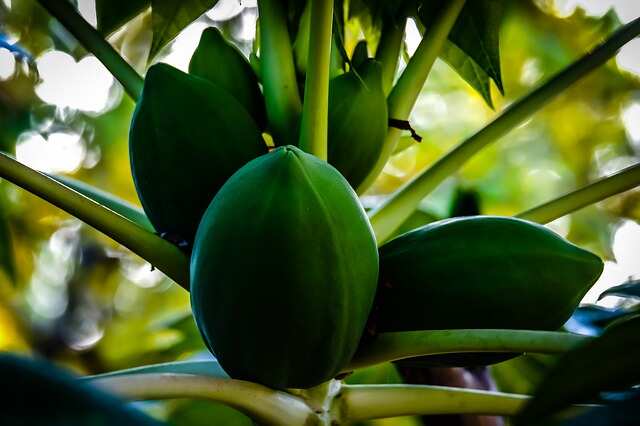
[91,40]
[388,52]
[315,111]
[278,73]
[367,402]
[160,253]
[398,207]
[404,94]
[259,402]
[408,344]
[621,181]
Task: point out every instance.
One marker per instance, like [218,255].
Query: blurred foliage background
[74,296]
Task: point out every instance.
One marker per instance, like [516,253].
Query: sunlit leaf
[169,17]
[112,15]
[609,362]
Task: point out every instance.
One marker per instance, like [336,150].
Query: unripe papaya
[220,62]
[480,272]
[357,121]
[36,393]
[187,137]
[284,271]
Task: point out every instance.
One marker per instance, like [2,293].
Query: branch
[160,253]
[91,40]
[259,402]
[398,207]
[315,112]
[597,191]
[405,93]
[408,344]
[366,402]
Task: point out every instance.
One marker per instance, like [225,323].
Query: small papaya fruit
[37,393]
[357,121]
[480,272]
[187,137]
[220,62]
[284,271]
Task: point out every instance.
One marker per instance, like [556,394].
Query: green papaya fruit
[187,137]
[284,271]
[357,121]
[220,62]
[36,393]
[480,272]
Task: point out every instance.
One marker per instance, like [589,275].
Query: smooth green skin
[220,62]
[187,138]
[284,271]
[481,272]
[36,393]
[357,121]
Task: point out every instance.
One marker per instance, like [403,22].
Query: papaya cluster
[285,271]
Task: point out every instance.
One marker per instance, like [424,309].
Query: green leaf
[469,70]
[123,208]
[209,368]
[42,394]
[630,289]
[206,413]
[609,362]
[169,17]
[114,14]
[476,33]
[623,413]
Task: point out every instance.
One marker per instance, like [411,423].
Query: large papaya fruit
[357,121]
[480,272]
[36,393]
[284,271]
[187,137]
[218,61]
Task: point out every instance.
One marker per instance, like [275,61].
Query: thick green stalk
[408,87]
[261,403]
[278,73]
[91,40]
[160,253]
[388,52]
[408,344]
[398,207]
[366,402]
[597,191]
[315,112]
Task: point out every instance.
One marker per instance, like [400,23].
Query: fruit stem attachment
[91,40]
[160,253]
[315,111]
[406,90]
[261,403]
[398,207]
[621,181]
[388,51]
[278,73]
[367,402]
[408,344]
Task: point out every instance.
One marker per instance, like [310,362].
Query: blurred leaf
[476,33]
[169,17]
[112,15]
[39,393]
[108,200]
[465,202]
[609,362]
[623,413]
[630,289]
[468,69]
[7,258]
[385,373]
[206,413]
[202,368]
[593,319]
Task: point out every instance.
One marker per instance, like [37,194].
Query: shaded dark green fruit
[37,393]
[481,272]
[357,121]
[284,271]
[187,138]
[220,62]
